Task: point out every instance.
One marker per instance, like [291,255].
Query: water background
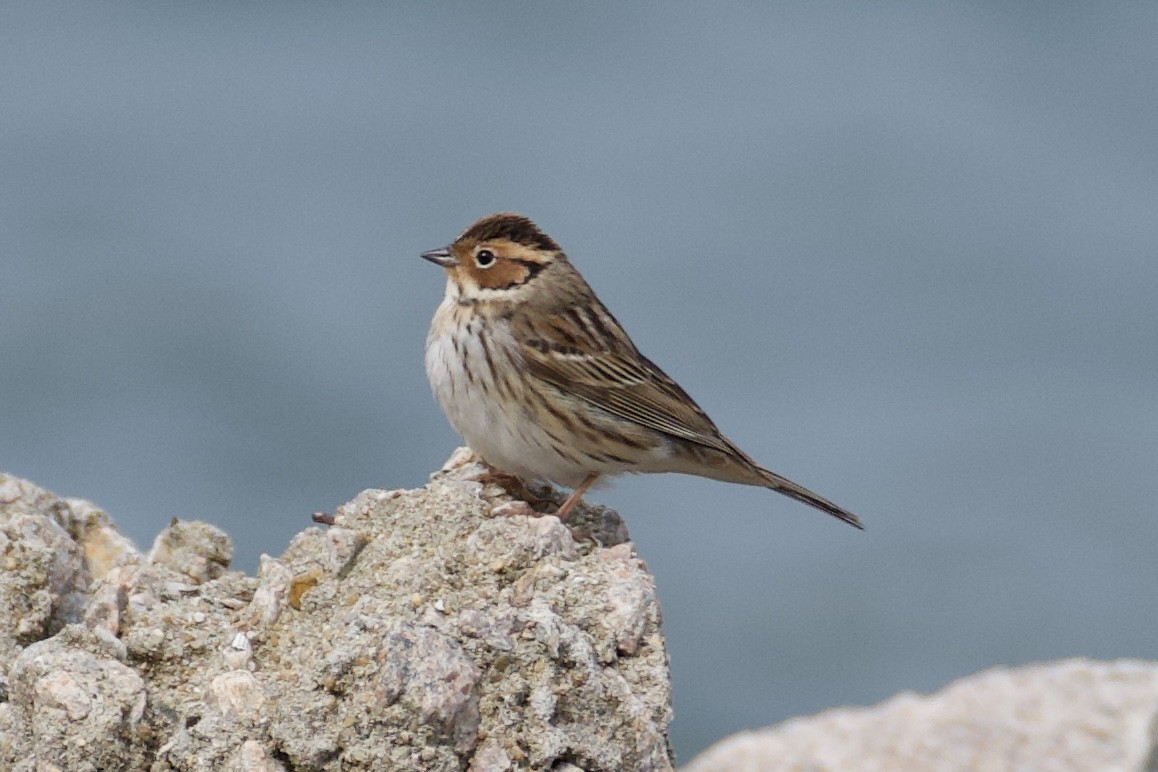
[906,254]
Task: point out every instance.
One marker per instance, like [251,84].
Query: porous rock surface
[1061,716]
[421,631]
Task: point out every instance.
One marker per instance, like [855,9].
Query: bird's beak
[441,257]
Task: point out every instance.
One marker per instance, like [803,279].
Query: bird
[544,384]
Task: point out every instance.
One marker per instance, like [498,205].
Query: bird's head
[496,258]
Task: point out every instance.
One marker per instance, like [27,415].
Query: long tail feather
[800,493]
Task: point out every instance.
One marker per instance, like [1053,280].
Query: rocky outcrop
[423,630]
[1069,715]
[441,629]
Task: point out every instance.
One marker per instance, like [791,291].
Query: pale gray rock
[419,632]
[102,543]
[43,564]
[1069,715]
[447,628]
[252,756]
[196,549]
[73,705]
[275,580]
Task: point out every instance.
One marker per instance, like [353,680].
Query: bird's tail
[800,493]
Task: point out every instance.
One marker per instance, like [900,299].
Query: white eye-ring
[485,258]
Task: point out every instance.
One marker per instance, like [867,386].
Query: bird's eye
[484,258]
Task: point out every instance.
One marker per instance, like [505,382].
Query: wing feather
[596,361]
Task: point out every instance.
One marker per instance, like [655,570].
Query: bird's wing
[583,351]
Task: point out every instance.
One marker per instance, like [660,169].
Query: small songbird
[543,383]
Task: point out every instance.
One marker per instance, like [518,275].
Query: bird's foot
[520,490]
[515,486]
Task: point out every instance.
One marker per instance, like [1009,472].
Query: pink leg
[576,494]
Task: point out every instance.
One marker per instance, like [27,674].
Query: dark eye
[484,258]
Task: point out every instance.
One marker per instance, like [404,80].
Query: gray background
[905,254]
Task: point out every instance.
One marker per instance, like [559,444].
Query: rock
[253,757]
[44,568]
[419,632]
[447,628]
[198,550]
[73,707]
[237,696]
[1072,714]
[103,545]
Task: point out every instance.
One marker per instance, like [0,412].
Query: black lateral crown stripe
[513,227]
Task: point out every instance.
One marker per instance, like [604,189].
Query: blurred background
[906,255]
